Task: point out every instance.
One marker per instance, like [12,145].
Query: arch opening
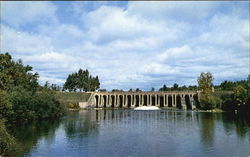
[112,101]
[120,101]
[188,103]
[170,102]
[145,100]
[129,100]
[153,100]
[178,101]
[137,101]
[161,101]
[104,101]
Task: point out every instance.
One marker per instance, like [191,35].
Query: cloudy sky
[129,44]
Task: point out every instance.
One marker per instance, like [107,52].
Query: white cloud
[139,46]
[22,42]
[186,11]
[21,13]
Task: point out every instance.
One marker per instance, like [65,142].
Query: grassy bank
[71,99]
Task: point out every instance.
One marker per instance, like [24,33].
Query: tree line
[236,100]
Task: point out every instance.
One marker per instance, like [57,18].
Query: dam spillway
[176,99]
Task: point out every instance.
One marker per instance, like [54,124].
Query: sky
[131,44]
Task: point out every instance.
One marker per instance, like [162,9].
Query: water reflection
[137,133]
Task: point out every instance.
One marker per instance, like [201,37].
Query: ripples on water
[118,133]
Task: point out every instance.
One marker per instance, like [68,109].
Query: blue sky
[129,44]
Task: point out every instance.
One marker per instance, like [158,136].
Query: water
[118,133]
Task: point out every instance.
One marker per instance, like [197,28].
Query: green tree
[240,96]
[208,99]
[205,82]
[8,143]
[152,89]
[16,74]
[175,86]
[82,81]
[164,88]
[5,105]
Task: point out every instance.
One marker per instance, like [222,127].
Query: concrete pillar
[158,99]
[124,101]
[167,100]
[116,101]
[155,100]
[172,100]
[175,100]
[183,103]
[191,98]
[163,100]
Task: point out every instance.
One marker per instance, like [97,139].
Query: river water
[129,133]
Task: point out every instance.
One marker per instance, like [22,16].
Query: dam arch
[175,99]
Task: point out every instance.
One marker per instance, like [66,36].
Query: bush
[209,101]
[46,105]
[8,143]
[5,105]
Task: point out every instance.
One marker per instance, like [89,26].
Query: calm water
[118,133]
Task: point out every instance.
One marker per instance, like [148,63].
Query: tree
[208,100]
[14,73]
[164,88]
[152,89]
[138,90]
[5,105]
[175,86]
[82,81]
[240,96]
[205,82]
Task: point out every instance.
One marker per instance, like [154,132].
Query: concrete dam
[177,99]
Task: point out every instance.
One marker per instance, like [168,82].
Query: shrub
[8,143]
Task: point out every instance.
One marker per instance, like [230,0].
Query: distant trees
[152,89]
[176,87]
[229,85]
[82,81]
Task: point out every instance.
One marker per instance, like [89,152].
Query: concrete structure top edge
[148,92]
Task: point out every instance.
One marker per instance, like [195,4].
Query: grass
[71,99]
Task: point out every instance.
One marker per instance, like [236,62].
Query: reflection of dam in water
[131,115]
[178,99]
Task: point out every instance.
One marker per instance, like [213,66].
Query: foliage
[229,85]
[5,105]
[152,89]
[16,74]
[53,87]
[117,90]
[208,100]
[205,82]
[176,87]
[81,80]
[238,100]
[240,95]
[21,97]
[164,88]
[8,143]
